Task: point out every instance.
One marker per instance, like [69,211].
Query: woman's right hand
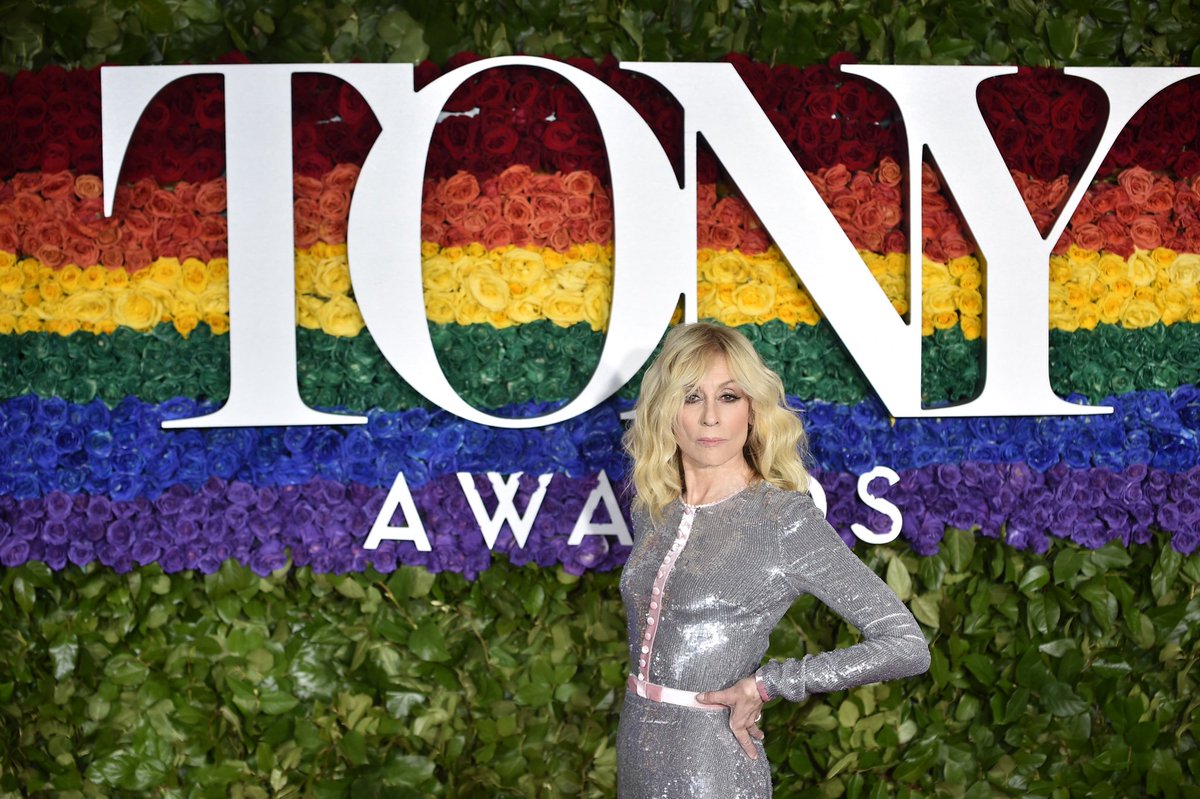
[745,711]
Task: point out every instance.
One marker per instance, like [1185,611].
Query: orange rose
[560,240]
[342,177]
[334,203]
[58,185]
[216,229]
[332,231]
[497,234]
[889,172]
[1145,233]
[1137,183]
[306,187]
[578,184]
[461,188]
[1089,237]
[513,181]
[578,207]
[211,197]
[88,187]
[837,177]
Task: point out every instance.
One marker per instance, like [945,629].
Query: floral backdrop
[111,325]
[192,613]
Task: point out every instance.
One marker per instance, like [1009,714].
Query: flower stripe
[51,120]
[540,361]
[123,453]
[321,522]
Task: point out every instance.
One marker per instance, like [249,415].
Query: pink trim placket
[656,597]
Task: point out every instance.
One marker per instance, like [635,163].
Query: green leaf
[1061,35]
[63,653]
[104,33]
[959,546]
[981,666]
[1165,571]
[428,643]
[1059,699]
[898,579]
[354,747]
[1067,564]
[925,608]
[1034,578]
[275,703]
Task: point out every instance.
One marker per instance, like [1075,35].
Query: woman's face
[714,421]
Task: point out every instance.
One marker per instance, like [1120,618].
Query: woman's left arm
[818,562]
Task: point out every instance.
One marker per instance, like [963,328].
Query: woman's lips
[710,442]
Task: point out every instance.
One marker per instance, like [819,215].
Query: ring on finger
[758,718]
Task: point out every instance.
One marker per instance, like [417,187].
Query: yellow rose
[63,327]
[195,276]
[28,322]
[185,317]
[9,304]
[1111,308]
[137,309]
[542,289]
[340,317]
[971,326]
[1123,286]
[1142,268]
[1111,268]
[165,272]
[50,288]
[438,274]
[726,267]
[564,308]
[708,307]
[8,323]
[117,280]
[70,277]
[219,325]
[306,273]
[597,301]
[1088,318]
[961,266]
[754,299]
[439,307]
[12,280]
[332,277]
[970,302]
[591,251]
[488,289]
[453,253]
[1173,303]
[1185,270]
[573,276]
[1079,255]
[874,261]
[1075,295]
[469,312]
[553,259]
[7,260]
[1163,256]
[1139,314]
[95,277]
[524,267]
[732,317]
[476,249]
[900,305]
[934,274]
[939,298]
[1060,269]
[895,287]
[88,306]
[218,271]
[214,300]
[307,309]
[429,249]
[1084,274]
[525,310]
[944,320]
[32,297]
[787,313]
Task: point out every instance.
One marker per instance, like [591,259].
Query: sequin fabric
[743,562]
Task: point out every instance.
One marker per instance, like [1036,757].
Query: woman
[726,537]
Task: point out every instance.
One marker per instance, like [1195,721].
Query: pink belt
[672,696]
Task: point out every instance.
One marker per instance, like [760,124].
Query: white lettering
[413,529]
[506,509]
[880,504]
[603,492]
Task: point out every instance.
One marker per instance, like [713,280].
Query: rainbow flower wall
[331,667]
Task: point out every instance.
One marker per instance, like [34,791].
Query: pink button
[645,650]
[653,605]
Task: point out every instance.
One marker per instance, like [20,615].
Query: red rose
[332,231]
[499,140]
[425,73]
[1116,237]
[204,163]
[215,230]
[302,186]
[517,210]
[524,93]
[895,241]
[210,111]
[351,106]
[458,135]
[755,240]
[490,90]
[333,204]
[559,136]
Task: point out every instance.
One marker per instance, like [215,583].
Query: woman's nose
[709,417]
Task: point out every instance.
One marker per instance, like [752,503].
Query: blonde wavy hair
[776,446]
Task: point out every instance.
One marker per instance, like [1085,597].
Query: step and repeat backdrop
[395,580]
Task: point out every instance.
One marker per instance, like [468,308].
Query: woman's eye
[691,398]
[730,397]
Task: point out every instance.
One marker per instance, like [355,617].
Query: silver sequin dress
[726,574]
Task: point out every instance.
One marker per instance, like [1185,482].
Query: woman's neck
[705,486]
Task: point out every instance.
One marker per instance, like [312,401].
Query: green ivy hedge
[1068,674]
[1074,32]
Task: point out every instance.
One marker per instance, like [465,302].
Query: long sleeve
[816,561]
